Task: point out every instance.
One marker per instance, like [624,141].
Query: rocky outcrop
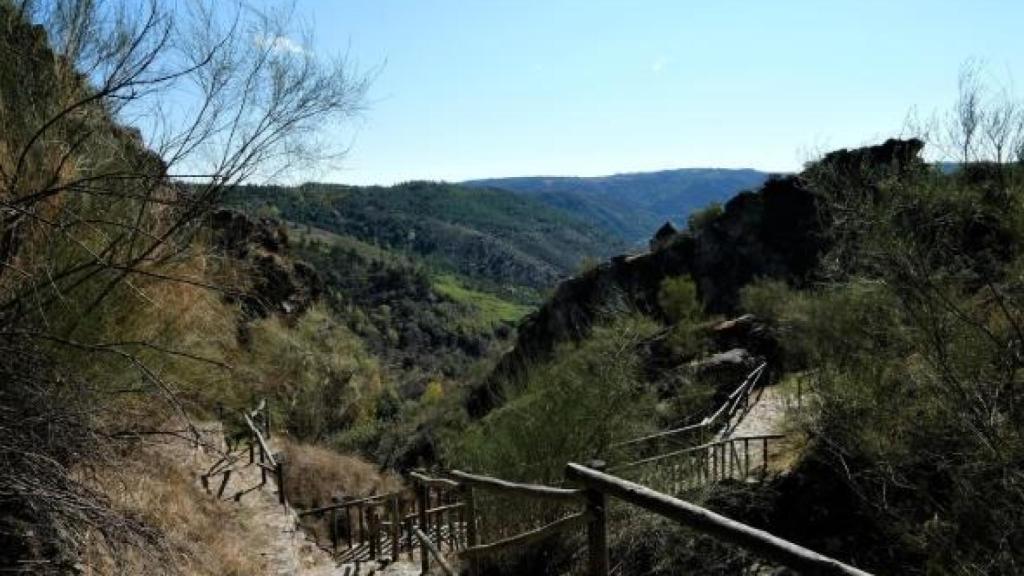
[663,237]
[748,332]
[278,284]
[774,232]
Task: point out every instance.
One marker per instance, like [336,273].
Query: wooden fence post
[746,458]
[410,538]
[438,521]
[280,484]
[334,524]
[263,470]
[764,457]
[597,527]
[470,521]
[266,419]
[374,534]
[350,526]
[423,500]
[224,483]
[396,528]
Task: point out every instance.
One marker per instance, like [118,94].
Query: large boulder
[748,332]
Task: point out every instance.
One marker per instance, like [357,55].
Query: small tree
[678,299]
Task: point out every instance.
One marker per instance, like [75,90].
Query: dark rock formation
[238,233]
[774,232]
[279,284]
[747,332]
[663,236]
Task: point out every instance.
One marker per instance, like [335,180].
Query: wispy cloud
[659,64]
[280,44]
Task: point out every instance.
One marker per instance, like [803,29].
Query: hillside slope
[632,206]
[499,240]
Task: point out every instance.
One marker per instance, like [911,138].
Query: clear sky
[489,88]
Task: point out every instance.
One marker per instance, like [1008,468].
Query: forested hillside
[632,206]
[151,295]
[500,241]
[887,287]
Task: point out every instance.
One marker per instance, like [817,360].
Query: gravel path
[767,414]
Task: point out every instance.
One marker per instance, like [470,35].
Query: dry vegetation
[194,532]
[315,474]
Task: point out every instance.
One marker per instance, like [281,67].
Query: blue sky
[558,87]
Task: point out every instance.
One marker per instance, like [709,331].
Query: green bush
[570,408]
[678,299]
[698,220]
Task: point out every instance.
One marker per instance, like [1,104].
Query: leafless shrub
[123,122]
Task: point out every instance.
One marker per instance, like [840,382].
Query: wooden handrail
[527,537]
[703,520]
[733,398]
[434,482]
[446,508]
[696,449]
[338,506]
[430,547]
[532,490]
[657,435]
[748,383]
[259,439]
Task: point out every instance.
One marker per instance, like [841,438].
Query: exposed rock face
[774,232]
[663,236]
[747,332]
[238,233]
[279,284]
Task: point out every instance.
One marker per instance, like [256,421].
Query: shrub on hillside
[678,299]
[700,219]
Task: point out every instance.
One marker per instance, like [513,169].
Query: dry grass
[314,474]
[200,535]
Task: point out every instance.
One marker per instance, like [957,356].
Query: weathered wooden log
[422,500]
[532,490]
[475,552]
[433,482]
[428,547]
[704,520]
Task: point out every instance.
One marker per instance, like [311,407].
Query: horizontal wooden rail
[446,508]
[432,549]
[259,439]
[655,436]
[369,500]
[727,407]
[434,482]
[703,520]
[531,490]
[730,403]
[699,448]
[527,537]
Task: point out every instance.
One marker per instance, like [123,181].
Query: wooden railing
[256,431]
[738,399]
[477,549]
[600,486]
[435,521]
[366,525]
[735,458]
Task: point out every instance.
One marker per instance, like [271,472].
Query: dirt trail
[273,529]
[766,415]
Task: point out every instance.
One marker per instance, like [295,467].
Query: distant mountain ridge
[632,206]
[501,240]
